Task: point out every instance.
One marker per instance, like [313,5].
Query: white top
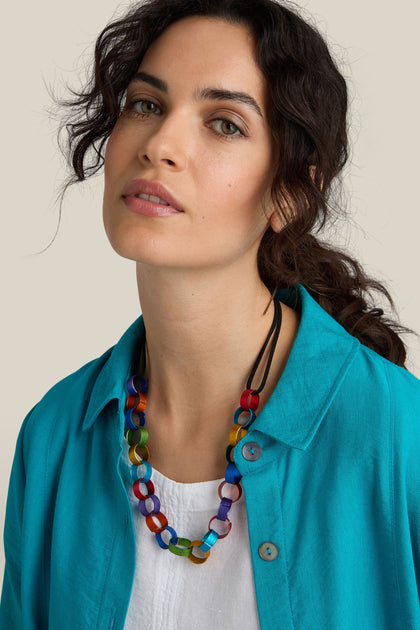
[172,593]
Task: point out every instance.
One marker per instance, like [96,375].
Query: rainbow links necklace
[230,490]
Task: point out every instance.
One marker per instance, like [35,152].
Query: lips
[152,198]
[152,192]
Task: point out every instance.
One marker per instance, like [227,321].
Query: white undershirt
[172,593]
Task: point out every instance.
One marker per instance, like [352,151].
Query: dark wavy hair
[307,114]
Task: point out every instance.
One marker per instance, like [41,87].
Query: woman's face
[195,123]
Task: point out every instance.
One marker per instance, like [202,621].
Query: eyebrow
[208,93]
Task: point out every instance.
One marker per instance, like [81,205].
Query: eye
[142,107]
[225,127]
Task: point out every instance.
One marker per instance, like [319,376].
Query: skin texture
[219,180]
[206,311]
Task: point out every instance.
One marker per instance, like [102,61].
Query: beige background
[66,306]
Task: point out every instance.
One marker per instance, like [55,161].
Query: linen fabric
[335,491]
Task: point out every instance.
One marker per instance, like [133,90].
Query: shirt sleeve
[405,490]
[11,603]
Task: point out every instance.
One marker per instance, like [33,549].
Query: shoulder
[382,401]
[67,399]
[377,374]
[73,404]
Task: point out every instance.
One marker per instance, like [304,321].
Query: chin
[133,238]
[143,248]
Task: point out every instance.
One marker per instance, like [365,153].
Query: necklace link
[229,491]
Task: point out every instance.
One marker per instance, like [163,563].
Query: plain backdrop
[66,306]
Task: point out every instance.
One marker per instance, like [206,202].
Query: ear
[279,217]
[276,221]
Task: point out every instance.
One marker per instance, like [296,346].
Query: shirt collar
[118,367]
[318,362]
[320,357]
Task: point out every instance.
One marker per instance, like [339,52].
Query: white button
[252,451]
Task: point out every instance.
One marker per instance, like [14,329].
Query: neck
[200,330]
[203,334]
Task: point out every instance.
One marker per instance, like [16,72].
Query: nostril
[150,159]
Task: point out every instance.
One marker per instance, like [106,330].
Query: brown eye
[226,127]
[142,106]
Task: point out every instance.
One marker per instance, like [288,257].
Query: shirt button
[251,451]
[268,551]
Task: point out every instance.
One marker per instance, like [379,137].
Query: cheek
[112,175]
[236,181]
[117,153]
[111,156]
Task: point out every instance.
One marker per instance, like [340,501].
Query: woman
[225,128]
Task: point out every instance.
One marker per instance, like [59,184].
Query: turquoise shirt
[332,494]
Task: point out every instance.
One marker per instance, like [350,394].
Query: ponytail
[337,282]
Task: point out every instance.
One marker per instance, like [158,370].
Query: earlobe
[275,216]
[282,214]
[276,221]
[279,218]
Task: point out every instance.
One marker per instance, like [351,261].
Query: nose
[166,143]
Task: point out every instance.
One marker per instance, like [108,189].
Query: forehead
[205,50]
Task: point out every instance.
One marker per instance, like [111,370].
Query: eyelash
[129,108]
